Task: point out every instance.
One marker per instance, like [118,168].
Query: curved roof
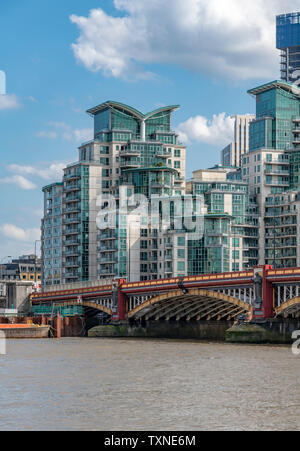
[129,109]
[279,84]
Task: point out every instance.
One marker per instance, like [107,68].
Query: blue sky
[145,54]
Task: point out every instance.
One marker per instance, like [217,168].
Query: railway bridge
[259,293]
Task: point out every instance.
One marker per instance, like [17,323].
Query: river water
[137,385]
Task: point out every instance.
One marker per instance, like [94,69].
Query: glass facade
[288,41]
[276,107]
[225,244]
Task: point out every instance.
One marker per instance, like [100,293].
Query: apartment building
[131,151]
[229,242]
[271,170]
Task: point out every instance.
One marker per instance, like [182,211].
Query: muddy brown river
[137,385]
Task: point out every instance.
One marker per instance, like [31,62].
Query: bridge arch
[195,304]
[290,307]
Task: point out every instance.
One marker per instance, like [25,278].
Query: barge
[24,331]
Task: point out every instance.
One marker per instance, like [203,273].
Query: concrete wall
[17,296]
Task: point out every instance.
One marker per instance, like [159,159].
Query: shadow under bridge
[194,305]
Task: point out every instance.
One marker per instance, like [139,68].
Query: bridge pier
[194,330]
[268,296]
[121,306]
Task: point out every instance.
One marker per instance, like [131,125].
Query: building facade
[229,242]
[131,151]
[232,154]
[27,268]
[288,42]
[271,170]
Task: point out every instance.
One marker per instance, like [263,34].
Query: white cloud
[47,134]
[15,233]
[52,172]
[61,125]
[8,102]
[33,99]
[231,38]
[79,135]
[217,131]
[66,132]
[19,181]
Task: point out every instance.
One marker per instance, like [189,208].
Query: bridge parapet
[262,288]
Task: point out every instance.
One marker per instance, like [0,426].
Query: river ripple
[114,384]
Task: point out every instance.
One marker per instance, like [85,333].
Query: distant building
[26,268]
[230,238]
[288,41]
[232,154]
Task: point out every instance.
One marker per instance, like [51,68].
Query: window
[144,244]
[181,241]
[235,242]
[177,153]
[235,267]
[177,164]
[181,253]
[104,150]
[235,255]
[181,266]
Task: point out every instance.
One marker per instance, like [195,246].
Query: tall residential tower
[288,42]
[137,151]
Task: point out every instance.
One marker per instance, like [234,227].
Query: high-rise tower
[288,41]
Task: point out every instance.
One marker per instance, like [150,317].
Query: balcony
[71,188]
[179,180]
[107,236]
[130,153]
[72,199]
[73,253]
[278,183]
[169,257]
[163,154]
[107,260]
[107,248]
[106,272]
[71,242]
[71,221]
[70,275]
[72,232]
[72,209]
[275,172]
[72,177]
[133,164]
[70,265]
[281,162]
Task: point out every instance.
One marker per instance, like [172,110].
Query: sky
[63,57]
